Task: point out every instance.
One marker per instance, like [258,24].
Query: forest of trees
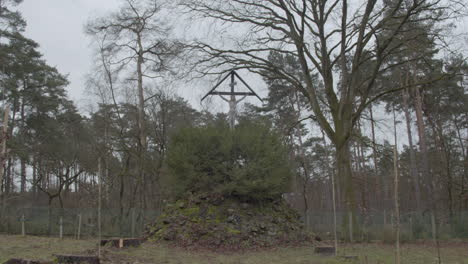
[334,88]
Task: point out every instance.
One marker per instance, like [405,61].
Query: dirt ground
[41,248]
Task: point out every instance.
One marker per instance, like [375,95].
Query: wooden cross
[232,100]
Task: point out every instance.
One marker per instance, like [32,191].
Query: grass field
[40,248]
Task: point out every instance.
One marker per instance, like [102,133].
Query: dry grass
[454,252]
[40,248]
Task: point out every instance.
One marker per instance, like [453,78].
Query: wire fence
[380,225]
[79,222]
[83,222]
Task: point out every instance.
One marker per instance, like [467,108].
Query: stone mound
[230,223]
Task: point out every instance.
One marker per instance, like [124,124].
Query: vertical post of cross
[79,227]
[232,103]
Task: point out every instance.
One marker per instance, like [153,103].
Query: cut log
[122,243]
[69,259]
[25,261]
[325,250]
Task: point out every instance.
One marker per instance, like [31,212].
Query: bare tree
[348,46]
[135,36]
[136,40]
[65,176]
[412,157]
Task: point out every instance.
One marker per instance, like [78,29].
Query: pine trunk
[427,176]
[396,194]
[412,156]
[23,175]
[379,181]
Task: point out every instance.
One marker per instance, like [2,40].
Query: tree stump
[325,250]
[68,259]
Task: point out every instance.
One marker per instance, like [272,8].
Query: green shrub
[249,161]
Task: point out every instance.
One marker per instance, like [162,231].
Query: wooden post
[133,222]
[23,228]
[350,223]
[433,225]
[61,227]
[411,227]
[78,234]
[384,224]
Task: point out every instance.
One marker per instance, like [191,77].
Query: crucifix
[232,100]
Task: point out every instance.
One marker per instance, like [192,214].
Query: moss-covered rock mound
[230,223]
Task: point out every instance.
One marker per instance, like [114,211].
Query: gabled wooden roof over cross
[233,74]
[232,100]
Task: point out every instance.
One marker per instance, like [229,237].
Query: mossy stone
[230,223]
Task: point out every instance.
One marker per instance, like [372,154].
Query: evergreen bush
[250,161]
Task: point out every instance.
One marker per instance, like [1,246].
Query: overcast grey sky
[57,25]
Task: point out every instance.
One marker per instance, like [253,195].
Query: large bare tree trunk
[344,171]
[332,178]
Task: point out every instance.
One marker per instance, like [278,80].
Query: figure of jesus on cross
[233,102]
